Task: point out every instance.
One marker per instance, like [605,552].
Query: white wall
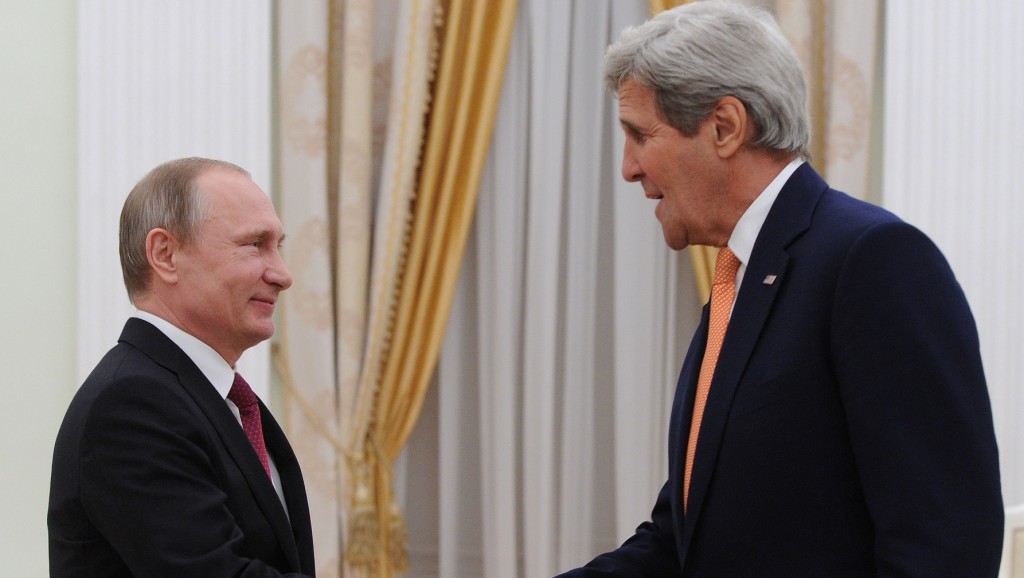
[38,175]
[954,134]
[40,183]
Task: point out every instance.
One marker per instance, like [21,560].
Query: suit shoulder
[126,381]
[844,212]
[868,229]
[126,394]
[845,224]
[122,369]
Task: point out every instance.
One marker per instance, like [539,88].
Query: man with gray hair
[831,417]
[167,464]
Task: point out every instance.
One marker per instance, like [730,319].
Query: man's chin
[261,332]
[674,242]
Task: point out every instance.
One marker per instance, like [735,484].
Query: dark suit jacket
[153,476]
[848,430]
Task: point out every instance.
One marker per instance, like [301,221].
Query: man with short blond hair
[167,464]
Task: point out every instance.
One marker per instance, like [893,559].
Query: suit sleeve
[908,362]
[148,484]
[651,551]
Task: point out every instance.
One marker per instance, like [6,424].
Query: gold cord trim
[819,83]
[278,353]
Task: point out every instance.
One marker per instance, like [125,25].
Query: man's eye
[637,136]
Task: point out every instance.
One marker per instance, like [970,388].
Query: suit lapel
[241,452]
[165,352]
[679,427]
[685,391]
[294,490]
[764,278]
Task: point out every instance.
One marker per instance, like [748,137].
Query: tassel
[363,527]
[399,543]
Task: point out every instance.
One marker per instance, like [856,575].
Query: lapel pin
[769,280]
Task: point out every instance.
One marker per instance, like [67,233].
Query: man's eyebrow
[264,234]
[633,132]
[632,128]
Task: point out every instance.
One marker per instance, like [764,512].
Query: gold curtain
[472,52]
[477,38]
[662,5]
[354,79]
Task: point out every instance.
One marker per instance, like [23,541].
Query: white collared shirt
[741,243]
[214,367]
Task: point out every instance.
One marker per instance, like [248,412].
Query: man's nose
[630,167]
[277,273]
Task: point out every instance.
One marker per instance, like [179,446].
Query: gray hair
[697,53]
[166,198]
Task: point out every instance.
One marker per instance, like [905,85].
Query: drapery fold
[465,99]
[304,352]
[472,55]
[352,111]
[380,236]
[552,387]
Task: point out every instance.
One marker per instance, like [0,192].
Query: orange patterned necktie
[723,291]
[242,396]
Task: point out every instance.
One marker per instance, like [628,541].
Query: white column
[953,166]
[158,81]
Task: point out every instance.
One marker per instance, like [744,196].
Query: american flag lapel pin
[769,280]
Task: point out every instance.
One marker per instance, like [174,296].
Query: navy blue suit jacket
[848,430]
[153,476]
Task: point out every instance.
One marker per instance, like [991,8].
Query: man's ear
[731,124]
[162,252]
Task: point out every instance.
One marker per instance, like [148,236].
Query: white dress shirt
[213,366]
[741,243]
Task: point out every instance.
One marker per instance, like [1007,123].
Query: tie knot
[241,394]
[726,265]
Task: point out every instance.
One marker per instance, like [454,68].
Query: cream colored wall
[38,156]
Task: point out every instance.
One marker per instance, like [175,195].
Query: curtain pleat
[375,543]
[552,384]
[481,355]
[455,151]
[340,91]
[472,56]
[304,351]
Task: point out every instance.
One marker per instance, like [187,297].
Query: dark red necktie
[242,396]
